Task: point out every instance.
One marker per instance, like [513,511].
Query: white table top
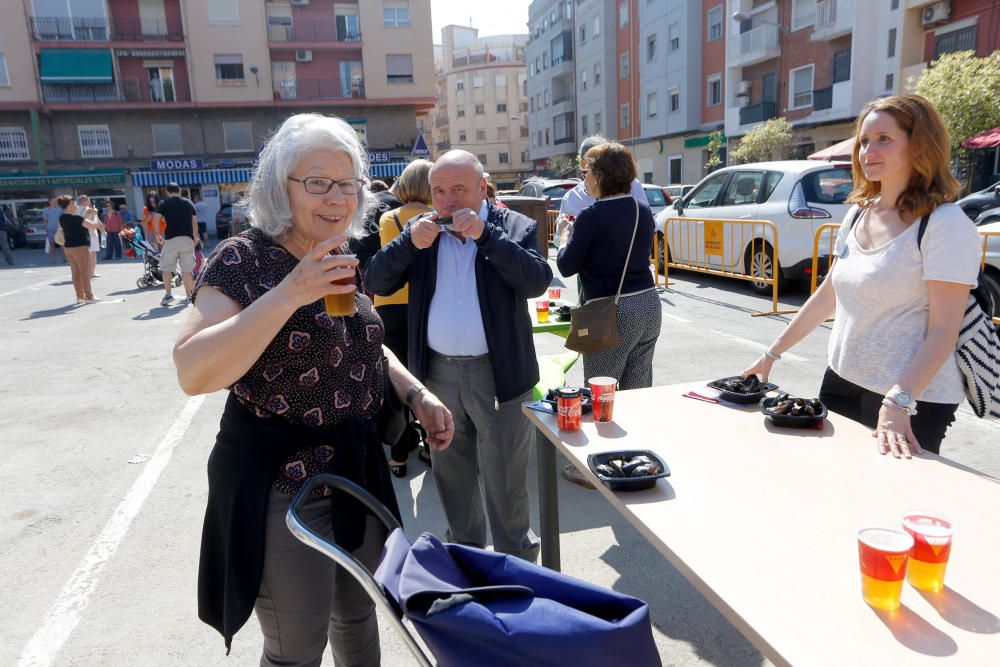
[763,521]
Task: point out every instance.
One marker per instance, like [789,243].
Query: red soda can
[570,408]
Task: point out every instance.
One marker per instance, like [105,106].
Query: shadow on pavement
[158,313]
[51,312]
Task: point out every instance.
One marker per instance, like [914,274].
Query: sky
[492,17]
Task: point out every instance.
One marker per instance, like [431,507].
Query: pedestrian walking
[50,214]
[201,210]
[470,340]
[177,241]
[305,389]
[113,226]
[4,238]
[150,231]
[90,213]
[76,247]
[906,259]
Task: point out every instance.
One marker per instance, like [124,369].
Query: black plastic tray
[791,421]
[735,396]
[627,483]
[587,404]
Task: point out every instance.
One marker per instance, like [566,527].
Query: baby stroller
[151,274]
[477,607]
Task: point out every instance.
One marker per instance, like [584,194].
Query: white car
[991,272]
[657,197]
[796,195]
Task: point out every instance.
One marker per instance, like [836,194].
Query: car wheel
[759,263]
[660,245]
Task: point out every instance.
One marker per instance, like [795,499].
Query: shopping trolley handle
[338,483]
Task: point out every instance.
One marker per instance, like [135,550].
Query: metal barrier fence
[830,255]
[550,217]
[986,240]
[741,249]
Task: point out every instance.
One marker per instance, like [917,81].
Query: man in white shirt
[578,198]
[201,210]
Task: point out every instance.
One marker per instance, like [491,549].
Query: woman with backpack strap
[898,300]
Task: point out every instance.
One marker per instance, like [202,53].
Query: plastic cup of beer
[931,535]
[341,305]
[542,310]
[602,392]
[883,553]
[555,293]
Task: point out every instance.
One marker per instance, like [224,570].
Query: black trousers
[861,405]
[394,324]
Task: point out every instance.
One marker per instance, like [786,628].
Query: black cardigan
[248,453]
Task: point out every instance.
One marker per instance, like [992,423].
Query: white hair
[267,197]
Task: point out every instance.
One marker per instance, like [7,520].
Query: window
[894,5]
[462,137]
[957,40]
[583,79]
[223,12]
[504,158]
[480,109]
[480,135]
[545,96]
[674,94]
[801,93]
[714,23]
[524,156]
[95,141]
[167,139]
[597,122]
[713,92]
[584,129]
[583,34]
[396,13]
[524,132]
[842,66]
[706,194]
[743,188]
[623,65]
[477,82]
[238,136]
[652,105]
[674,36]
[674,170]
[13,144]
[399,68]
[803,13]
[597,74]
[623,14]
[460,85]
[500,81]
[501,133]
[4,75]
[597,26]
[650,48]
[522,82]
[482,158]
[460,110]
[891,49]
[502,107]
[547,141]
[532,104]
[348,22]
[229,67]
[889,81]
[626,115]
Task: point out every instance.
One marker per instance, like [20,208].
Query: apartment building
[116,98]
[596,60]
[627,69]
[551,86]
[482,101]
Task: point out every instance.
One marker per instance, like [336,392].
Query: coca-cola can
[570,408]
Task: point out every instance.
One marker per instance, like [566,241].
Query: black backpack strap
[395,217]
[922,228]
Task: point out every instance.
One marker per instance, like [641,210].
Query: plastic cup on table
[602,391]
[883,554]
[542,310]
[931,535]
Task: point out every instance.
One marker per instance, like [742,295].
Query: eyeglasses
[317,185]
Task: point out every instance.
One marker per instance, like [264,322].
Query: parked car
[984,200]
[33,227]
[657,197]
[796,195]
[677,191]
[553,188]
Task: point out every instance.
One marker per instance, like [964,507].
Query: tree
[714,149]
[966,91]
[761,143]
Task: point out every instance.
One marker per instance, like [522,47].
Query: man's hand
[424,232]
[466,223]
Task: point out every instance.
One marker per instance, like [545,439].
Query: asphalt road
[104,482]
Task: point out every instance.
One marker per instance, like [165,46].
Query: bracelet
[889,403]
[412,394]
[770,355]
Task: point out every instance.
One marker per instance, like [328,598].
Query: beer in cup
[542,309]
[931,547]
[883,553]
[341,305]
[602,391]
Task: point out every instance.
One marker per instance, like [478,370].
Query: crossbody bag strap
[629,255]
[399,226]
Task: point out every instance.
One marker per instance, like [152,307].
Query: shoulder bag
[594,326]
[60,236]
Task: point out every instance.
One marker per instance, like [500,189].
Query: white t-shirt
[578,198]
[882,301]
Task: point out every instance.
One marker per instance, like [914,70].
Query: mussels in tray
[630,470]
[785,410]
[749,389]
[747,385]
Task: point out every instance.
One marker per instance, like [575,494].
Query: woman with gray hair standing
[305,387]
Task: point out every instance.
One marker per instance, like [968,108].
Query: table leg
[548,501]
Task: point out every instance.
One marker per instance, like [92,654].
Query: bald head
[461,159]
[457,182]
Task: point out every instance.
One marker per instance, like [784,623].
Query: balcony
[441,121]
[758,113]
[754,46]
[318,89]
[131,91]
[62,29]
[142,91]
[313,32]
[834,19]
[823,99]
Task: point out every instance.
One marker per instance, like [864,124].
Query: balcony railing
[318,89]
[311,32]
[834,19]
[81,29]
[757,113]
[440,121]
[564,140]
[132,91]
[823,98]
[755,45]
[562,98]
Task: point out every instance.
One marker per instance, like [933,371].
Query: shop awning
[76,66]
[987,139]
[843,150]
[194,177]
[387,170]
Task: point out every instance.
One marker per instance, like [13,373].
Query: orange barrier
[986,239]
[741,249]
[550,218]
[830,255]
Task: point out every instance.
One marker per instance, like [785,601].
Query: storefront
[33,190]
[216,186]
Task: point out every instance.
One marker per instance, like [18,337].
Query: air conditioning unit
[744,88]
[303,55]
[934,14]
[300,3]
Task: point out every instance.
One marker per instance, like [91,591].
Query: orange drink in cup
[931,548]
[341,305]
[883,553]
[542,310]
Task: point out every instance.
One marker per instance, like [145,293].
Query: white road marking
[757,346]
[27,287]
[676,319]
[63,617]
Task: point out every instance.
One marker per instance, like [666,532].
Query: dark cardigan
[247,454]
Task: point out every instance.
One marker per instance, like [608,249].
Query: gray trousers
[489,438]
[631,360]
[305,597]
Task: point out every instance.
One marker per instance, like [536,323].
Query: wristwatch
[902,398]
[412,394]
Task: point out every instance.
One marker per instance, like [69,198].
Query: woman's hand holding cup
[318,273]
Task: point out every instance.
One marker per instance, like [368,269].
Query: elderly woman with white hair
[304,391]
